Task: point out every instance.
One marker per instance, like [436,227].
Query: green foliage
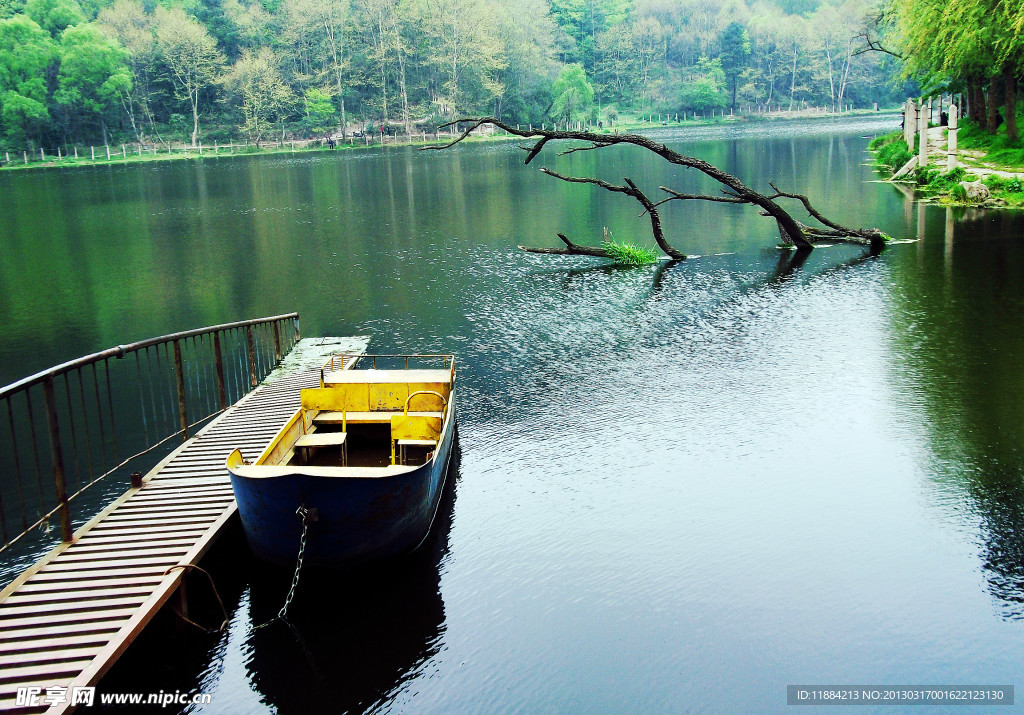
[256,79]
[630,254]
[573,94]
[735,45]
[958,194]
[936,181]
[93,74]
[10,8]
[884,139]
[26,51]
[707,90]
[893,155]
[55,16]
[320,111]
[997,183]
[412,61]
[999,149]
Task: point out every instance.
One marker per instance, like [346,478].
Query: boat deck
[67,619]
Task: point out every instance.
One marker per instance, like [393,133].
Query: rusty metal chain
[308,517]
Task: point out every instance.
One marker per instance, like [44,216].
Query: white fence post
[954,123]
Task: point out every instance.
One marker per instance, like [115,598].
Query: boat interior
[364,416]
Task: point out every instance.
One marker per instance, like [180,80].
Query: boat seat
[336,418]
[403,443]
[315,440]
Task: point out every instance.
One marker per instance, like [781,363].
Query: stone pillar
[922,139]
[951,155]
[909,123]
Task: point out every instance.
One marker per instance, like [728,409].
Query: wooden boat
[364,458]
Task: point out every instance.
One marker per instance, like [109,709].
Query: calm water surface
[679,487]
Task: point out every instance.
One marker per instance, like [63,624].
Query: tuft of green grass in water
[630,254]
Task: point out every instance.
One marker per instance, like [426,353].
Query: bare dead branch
[464,134]
[571,249]
[586,180]
[589,147]
[675,195]
[871,45]
[872,237]
[734,190]
[536,150]
[630,189]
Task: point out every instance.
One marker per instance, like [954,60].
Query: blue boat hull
[358,519]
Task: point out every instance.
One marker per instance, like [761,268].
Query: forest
[96,71]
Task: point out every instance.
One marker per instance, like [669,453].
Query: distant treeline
[95,71]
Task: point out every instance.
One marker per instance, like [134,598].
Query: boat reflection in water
[354,636]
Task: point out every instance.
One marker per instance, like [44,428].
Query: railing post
[277,343]
[296,321]
[251,343]
[180,377]
[58,460]
[218,359]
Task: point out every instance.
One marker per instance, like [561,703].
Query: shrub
[884,139]
[958,193]
[994,182]
[942,182]
[893,156]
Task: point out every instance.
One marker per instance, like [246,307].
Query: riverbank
[72,156]
[989,171]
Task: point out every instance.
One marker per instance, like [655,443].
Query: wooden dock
[67,619]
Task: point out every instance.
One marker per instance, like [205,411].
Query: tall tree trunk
[400,54]
[336,60]
[977,101]
[195,117]
[992,106]
[1010,100]
[831,82]
[792,82]
[383,68]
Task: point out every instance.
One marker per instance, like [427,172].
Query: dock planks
[66,619]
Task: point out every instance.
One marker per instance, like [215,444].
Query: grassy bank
[991,160]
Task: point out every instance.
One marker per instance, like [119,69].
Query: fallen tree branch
[870,237]
[630,189]
[791,230]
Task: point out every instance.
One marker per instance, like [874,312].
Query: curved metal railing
[100,412]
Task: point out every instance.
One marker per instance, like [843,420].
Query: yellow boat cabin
[376,419]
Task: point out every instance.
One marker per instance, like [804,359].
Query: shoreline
[217,151]
[975,182]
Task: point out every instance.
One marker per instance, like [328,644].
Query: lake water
[679,487]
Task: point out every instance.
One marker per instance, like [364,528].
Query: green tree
[315,36]
[319,111]
[93,76]
[527,34]
[735,45]
[463,53]
[706,91]
[573,94]
[264,96]
[191,56]
[127,22]
[26,53]
[55,16]
[10,8]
